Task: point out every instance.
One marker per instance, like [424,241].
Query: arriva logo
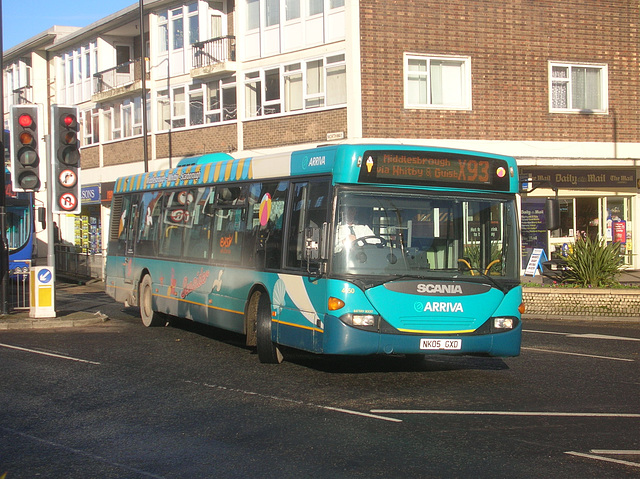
[439,288]
[439,307]
[314,161]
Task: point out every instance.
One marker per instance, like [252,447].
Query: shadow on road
[351,364]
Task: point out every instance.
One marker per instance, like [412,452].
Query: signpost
[535,262]
[42,292]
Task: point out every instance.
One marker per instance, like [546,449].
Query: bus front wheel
[150,318]
[268,351]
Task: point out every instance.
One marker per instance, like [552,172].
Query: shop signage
[90,194]
[107,192]
[535,262]
[583,179]
[533,227]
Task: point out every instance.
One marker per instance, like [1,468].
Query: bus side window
[228,229]
[265,223]
[177,217]
[151,207]
[198,233]
[119,222]
[126,225]
[309,209]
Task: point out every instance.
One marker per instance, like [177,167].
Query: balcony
[123,79]
[214,56]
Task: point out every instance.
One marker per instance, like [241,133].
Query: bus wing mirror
[312,243]
[316,247]
[552,213]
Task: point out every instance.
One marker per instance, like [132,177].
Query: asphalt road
[117,400]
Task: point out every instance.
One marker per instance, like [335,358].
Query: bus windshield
[425,235]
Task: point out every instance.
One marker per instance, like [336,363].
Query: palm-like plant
[594,263]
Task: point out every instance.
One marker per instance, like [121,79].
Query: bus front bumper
[340,338]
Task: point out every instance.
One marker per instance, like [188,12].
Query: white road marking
[583,336]
[622,452]
[602,336]
[80,453]
[43,353]
[506,413]
[294,401]
[579,354]
[602,458]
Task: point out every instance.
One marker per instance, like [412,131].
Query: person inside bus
[350,229]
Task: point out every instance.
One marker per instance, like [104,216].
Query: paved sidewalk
[76,305]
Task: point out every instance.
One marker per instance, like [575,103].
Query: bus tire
[252,318]
[268,351]
[150,318]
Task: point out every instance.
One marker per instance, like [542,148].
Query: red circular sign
[68,201]
[68,178]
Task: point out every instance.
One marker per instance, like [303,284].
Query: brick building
[554,84]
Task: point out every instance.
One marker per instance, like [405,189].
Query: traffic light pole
[4,245]
[51,256]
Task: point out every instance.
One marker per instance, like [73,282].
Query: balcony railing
[22,95]
[118,76]
[214,51]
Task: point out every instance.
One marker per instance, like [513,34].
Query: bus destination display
[434,168]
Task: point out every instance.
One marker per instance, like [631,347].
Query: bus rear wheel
[268,351]
[150,318]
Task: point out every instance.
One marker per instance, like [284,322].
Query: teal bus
[349,249]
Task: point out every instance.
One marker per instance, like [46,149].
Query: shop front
[80,255]
[595,203]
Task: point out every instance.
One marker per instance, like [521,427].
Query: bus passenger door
[129,231]
[304,301]
[119,261]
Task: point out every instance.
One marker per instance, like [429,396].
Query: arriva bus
[351,249]
[20,227]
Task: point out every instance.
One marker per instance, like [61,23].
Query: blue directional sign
[45,276]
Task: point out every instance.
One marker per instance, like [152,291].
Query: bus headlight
[503,323]
[370,322]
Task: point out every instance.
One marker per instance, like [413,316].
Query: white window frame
[77,68]
[90,126]
[173,115]
[298,92]
[166,23]
[179,108]
[464,92]
[18,83]
[568,80]
[224,112]
[196,95]
[163,113]
[123,119]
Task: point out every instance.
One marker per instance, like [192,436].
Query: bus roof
[343,161]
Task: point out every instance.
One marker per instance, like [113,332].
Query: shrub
[593,262]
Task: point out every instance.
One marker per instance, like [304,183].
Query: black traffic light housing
[65,170]
[26,171]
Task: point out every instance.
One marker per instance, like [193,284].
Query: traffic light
[65,155]
[25,160]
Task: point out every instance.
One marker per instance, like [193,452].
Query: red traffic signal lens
[25,121]
[26,138]
[69,121]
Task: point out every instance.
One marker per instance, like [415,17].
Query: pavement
[75,305]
